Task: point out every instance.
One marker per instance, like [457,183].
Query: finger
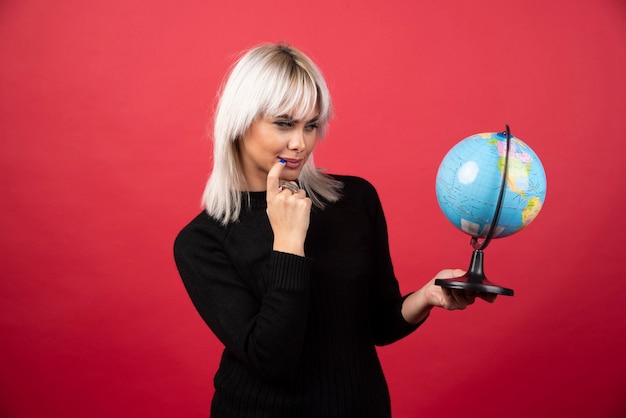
[470,296]
[457,273]
[459,299]
[290,185]
[488,297]
[452,299]
[450,274]
[273,178]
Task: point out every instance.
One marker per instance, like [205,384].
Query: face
[271,138]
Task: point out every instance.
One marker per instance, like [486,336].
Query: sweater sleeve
[265,328]
[386,309]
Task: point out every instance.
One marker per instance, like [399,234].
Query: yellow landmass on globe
[517,175]
[531,210]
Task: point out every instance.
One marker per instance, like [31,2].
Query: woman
[288,266]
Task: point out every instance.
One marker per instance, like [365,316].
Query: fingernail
[282,161]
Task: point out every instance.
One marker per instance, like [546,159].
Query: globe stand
[474,279]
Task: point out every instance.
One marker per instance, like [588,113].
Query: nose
[297,142]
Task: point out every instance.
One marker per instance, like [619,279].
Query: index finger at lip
[273,178]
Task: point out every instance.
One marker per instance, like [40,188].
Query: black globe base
[467,283]
[474,279]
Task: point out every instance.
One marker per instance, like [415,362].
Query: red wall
[103,157]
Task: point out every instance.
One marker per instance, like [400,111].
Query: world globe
[469,181]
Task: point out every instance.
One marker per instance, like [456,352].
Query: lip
[293,162]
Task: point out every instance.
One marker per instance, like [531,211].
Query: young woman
[289,266]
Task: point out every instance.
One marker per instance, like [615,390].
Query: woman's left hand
[417,306]
[452,299]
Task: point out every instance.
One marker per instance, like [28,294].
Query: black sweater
[299,332]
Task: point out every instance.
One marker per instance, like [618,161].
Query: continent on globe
[469,180]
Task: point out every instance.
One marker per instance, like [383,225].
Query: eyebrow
[292,119]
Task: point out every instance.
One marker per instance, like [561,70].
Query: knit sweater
[299,332]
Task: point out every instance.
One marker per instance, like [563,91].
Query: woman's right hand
[289,214]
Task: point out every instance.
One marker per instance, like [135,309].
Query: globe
[469,180]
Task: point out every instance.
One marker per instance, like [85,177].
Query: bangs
[292,93]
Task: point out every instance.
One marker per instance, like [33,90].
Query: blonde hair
[270,79]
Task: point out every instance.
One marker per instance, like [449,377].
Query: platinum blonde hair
[270,79]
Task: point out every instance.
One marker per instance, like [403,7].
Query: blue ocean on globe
[469,179]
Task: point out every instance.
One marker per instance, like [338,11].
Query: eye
[311,127]
[283,123]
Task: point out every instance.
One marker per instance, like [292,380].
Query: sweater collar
[254,200]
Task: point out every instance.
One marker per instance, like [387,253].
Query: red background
[103,107]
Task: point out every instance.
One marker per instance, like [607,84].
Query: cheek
[259,142]
[312,143]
